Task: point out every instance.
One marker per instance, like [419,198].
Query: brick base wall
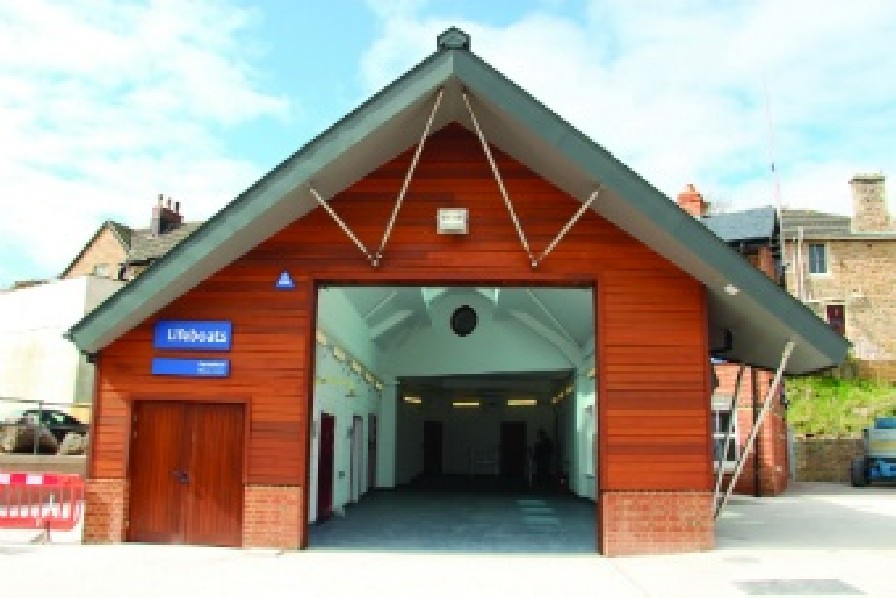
[272,516]
[654,522]
[105,510]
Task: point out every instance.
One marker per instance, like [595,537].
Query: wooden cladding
[652,355]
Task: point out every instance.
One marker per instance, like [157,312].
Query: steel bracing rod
[732,410]
[407,178]
[567,226]
[341,223]
[754,432]
[500,181]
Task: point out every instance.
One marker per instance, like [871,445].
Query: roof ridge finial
[453,39]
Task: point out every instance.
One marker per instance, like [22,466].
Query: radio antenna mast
[776,182]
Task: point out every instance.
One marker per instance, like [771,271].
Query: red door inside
[371,452]
[186,471]
[325,467]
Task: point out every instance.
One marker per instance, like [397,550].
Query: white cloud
[676,90]
[105,103]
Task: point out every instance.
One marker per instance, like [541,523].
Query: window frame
[722,404]
[811,261]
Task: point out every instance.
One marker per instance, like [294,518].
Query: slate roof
[747,225]
[146,246]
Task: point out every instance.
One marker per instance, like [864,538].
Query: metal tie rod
[500,181]
[341,224]
[407,179]
[785,356]
[575,218]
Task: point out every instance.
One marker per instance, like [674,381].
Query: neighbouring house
[413,296]
[844,269]
[754,234]
[120,252]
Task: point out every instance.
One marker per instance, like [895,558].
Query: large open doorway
[478,405]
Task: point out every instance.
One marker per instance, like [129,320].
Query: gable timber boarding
[543,206]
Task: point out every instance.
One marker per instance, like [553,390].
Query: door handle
[182,476]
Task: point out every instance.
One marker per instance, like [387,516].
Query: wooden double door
[186,473]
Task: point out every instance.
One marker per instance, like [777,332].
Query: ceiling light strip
[341,223]
[407,179]
[500,181]
[566,227]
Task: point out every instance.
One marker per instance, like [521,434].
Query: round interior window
[463,320]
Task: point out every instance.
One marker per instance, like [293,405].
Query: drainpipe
[754,382]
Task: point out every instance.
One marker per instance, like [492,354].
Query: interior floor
[462,514]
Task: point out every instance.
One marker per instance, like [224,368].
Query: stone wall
[825,459]
[862,278]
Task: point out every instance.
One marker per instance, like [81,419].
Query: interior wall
[343,393]
[498,344]
[469,433]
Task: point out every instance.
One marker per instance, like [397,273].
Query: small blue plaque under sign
[198,335]
[285,281]
[204,368]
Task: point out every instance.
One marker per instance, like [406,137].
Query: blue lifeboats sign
[203,368]
[195,335]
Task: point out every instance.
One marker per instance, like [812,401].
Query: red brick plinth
[105,510]
[655,522]
[271,517]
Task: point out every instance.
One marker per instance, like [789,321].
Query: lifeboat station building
[451,296]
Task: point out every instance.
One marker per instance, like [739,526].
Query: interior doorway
[432,448]
[326,449]
[514,451]
[185,490]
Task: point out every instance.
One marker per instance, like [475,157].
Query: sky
[104,104]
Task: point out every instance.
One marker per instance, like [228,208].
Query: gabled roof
[121,233]
[139,244]
[757,224]
[761,317]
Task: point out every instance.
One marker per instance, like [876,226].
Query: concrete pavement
[818,539]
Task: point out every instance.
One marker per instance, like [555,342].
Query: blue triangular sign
[285,281]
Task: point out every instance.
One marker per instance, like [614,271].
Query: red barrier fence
[41,501]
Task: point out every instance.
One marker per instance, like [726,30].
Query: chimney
[691,201]
[869,203]
[164,218]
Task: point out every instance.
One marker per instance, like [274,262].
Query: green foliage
[828,406]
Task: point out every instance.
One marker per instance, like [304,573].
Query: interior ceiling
[563,316]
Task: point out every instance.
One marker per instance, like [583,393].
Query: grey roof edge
[261,195]
[597,161]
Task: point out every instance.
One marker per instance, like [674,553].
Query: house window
[818,258]
[101,270]
[721,418]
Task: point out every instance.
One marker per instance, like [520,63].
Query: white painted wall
[582,475]
[499,344]
[36,362]
[343,393]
